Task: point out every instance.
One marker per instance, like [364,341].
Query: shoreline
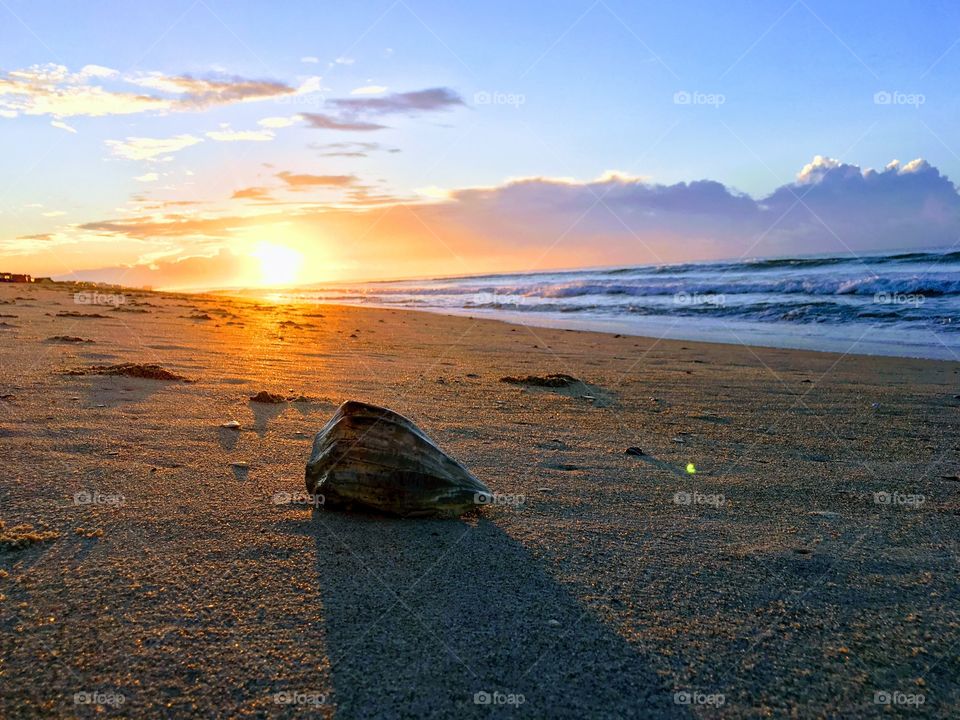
[600,326]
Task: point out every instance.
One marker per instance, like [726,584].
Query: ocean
[902,304]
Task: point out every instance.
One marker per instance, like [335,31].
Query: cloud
[220,269]
[251,193]
[228,135]
[344,61]
[302,182]
[98,71]
[97,91]
[832,206]
[350,149]
[417,101]
[279,122]
[353,110]
[147,177]
[200,93]
[63,126]
[141,148]
[312,84]
[328,122]
[369,90]
[310,59]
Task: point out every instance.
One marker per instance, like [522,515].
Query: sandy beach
[782,542]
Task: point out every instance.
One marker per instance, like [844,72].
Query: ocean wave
[932,286]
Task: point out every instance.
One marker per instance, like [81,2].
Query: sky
[206,143]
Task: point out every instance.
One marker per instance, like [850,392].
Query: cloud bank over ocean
[538,223]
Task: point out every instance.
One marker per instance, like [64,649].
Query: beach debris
[544,489]
[875,406]
[20,536]
[691,468]
[372,458]
[74,314]
[231,425]
[68,339]
[633,450]
[134,370]
[554,380]
[554,444]
[267,397]
[553,623]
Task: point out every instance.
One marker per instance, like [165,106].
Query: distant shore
[691,529]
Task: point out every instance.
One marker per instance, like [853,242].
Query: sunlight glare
[279,265]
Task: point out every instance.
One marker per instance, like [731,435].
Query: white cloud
[310,59]
[814,170]
[312,84]
[51,89]
[279,122]
[369,90]
[98,71]
[344,60]
[147,177]
[63,126]
[140,148]
[54,213]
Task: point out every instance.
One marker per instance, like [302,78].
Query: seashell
[371,458]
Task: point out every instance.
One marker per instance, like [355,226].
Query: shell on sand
[371,458]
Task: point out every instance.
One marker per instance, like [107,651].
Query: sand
[173,569]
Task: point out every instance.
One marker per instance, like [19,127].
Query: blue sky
[547,89]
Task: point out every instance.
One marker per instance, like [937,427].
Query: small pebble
[232,425]
[553,623]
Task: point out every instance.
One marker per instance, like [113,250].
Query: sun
[279,265]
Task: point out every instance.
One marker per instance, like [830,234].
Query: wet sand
[162,565]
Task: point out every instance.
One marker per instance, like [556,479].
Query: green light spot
[691,468]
